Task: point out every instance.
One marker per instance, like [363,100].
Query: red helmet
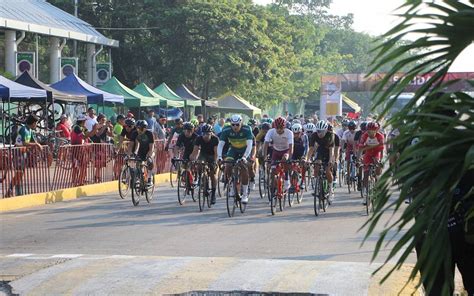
[373,126]
[280,122]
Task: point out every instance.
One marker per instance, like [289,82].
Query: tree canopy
[268,54]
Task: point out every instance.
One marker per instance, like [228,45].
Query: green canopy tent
[166,92]
[144,90]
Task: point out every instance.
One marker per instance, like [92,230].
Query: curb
[38,199]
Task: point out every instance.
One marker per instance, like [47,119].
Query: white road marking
[67,256]
[19,255]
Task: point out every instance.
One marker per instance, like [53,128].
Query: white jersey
[280,142]
[348,137]
[340,133]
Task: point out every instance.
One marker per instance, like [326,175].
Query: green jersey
[237,140]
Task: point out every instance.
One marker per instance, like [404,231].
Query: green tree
[438,169]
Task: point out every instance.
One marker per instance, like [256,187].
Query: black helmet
[352,125]
[142,123]
[266,126]
[188,126]
[120,117]
[363,126]
[207,128]
[178,120]
[130,121]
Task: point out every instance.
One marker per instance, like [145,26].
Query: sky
[375,17]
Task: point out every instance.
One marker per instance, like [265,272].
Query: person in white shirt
[91,119]
[282,143]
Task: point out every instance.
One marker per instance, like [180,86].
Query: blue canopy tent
[74,85]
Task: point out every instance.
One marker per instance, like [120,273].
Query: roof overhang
[44,30]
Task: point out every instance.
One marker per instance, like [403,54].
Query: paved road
[103,245]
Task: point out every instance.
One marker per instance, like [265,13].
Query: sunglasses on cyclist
[235,124]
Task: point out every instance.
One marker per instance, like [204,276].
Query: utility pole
[74,51]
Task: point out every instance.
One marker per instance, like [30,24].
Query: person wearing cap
[91,119]
[80,134]
[63,128]
[160,128]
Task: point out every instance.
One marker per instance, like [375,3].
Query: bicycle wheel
[309,178]
[220,182]
[294,189]
[150,189]
[202,192]
[124,182]
[262,182]
[172,171]
[182,187]
[192,186]
[208,191]
[133,185]
[231,200]
[316,203]
[273,201]
[322,196]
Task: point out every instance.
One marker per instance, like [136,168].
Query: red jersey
[65,132]
[376,144]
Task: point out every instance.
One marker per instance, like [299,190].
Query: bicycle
[263,175]
[204,191]
[321,189]
[352,177]
[185,179]
[124,179]
[368,190]
[234,201]
[139,181]
[276,190]
[296,179]
[342,170]
[175,169]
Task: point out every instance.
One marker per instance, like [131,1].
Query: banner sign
[25,61]
[69,66]
[103,73]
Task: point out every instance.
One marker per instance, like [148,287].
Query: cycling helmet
[194,122]
[207,128]
[252,121]
[345,122]
[330,127]
[351,125]
[297,128]
[280,122]
[188,126]
[178,120]
[236,118]
[363,126]
[142,123]
[130,122]
[296,121]
[270,120]
[372,126]
[310,127]
[322,125]
[120,117]
[266,126]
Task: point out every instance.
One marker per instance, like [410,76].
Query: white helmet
[236,118]
[296,128]
[296,121]
[310,127]
[322,125]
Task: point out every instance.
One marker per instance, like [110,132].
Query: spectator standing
[160,128]
[151,120]
[91,119]
[219,126]
[118,127]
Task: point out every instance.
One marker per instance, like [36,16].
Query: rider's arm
[305,145]
[220,147]
[137,146]
[265,149]
[215,153]
[195,152]
[248,150]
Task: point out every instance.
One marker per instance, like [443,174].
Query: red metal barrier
[24,170]
[78,165]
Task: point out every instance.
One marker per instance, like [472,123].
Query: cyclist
[240,141]
[300,147]
[349,143]
[357,138]
[253,125]
[323,142]
[344,124]
[205,149]
[309,128]
[372,143]
[186,141]
[260,139]
[337,150]
[282,139]
[144,147]
[129,133]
